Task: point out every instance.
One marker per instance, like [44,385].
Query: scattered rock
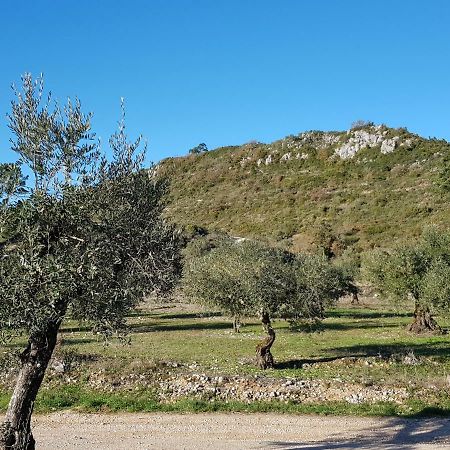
[410,359]
[261,388]
[245,160]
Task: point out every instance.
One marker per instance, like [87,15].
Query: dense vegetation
[370,200]
[246,278]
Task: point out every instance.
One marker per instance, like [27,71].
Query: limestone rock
[389,145]
[358,140]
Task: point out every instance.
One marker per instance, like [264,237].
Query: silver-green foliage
[239,278]
[420,271]
[318,284]
[85,235]
[249,278]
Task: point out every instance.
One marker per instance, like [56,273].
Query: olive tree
[248,278]
[241,278]
[83,237]
[419,272]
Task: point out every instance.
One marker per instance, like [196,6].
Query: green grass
[84,400]
[210,343]
[355,344]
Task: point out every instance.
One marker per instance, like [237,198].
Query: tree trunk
[355,298]
[16,429]
[423,321]
[264,358]
[236,324]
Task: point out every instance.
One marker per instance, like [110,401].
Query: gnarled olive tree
[249,278]
[85,238]
[418,272]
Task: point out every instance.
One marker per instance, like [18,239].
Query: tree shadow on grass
[363,350]
[161,325]
[298,363]
[178,315]
[392,434]
[149,328]
[361,314]
[188,315]
[158,316]
[429,349]
[356,325]
[336,326]
[138,313]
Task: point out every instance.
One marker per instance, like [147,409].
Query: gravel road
[236,431]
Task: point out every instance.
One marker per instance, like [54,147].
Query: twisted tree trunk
[264,358]
[16,430]
[423,321]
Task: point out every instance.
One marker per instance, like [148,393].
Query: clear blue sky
[230,71]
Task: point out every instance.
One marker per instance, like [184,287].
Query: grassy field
[357,345]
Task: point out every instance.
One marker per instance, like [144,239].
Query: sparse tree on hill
[358,124]
[86,239]
[420,273]
[200,148]
[324,238]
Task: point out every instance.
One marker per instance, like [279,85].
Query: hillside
[373,185]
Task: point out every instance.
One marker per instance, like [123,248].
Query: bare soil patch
[67,430]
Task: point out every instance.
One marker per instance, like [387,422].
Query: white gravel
[69,430]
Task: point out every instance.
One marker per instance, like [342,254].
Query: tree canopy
[240,278]
[200,148]
[419,272]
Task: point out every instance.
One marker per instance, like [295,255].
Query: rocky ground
[236,431]
[173,381]
[258,388]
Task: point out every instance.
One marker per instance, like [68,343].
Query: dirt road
[236,431]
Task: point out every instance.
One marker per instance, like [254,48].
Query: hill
[372,185]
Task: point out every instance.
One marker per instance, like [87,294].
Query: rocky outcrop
[286,157]
[344,145]
[316,139]
[389,145]
[358,140]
